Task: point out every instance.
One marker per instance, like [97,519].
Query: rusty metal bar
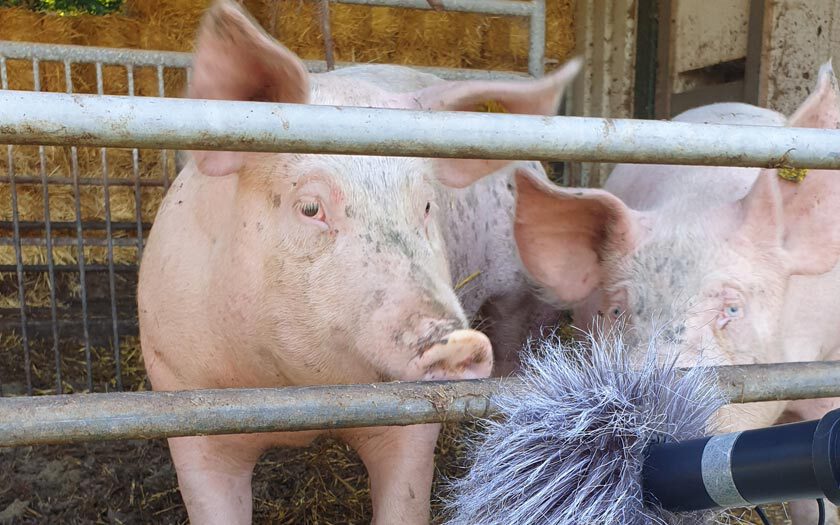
[135,171]
[148,415]
[147,122]
[109,238]
[16,241]
[80,248]
[45,192]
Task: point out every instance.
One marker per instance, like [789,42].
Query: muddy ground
[133,482]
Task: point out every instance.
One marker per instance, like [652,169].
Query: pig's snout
[462,354]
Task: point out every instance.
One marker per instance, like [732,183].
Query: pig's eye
[310,209]
[615,312]
[428,207]
[732,311]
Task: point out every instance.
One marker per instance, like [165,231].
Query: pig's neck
[810,324]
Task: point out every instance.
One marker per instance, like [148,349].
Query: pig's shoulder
[732,113]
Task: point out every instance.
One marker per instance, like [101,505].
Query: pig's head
[711,280]
[356,260]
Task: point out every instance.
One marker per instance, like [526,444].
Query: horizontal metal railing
[150,122]
[147,415]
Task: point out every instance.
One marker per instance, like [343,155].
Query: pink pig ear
[800,217]
[564,235]
[532,97]
[236,60]
[822,107]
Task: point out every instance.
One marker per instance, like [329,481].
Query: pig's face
[713,279]
[355,261]
[697,283]
[361,256]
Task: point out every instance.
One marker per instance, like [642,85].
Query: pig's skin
[267,270]
[735,265]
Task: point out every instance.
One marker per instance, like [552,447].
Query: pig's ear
[530,97]
[800,218]
[822,107]
[564,235]
[236,60]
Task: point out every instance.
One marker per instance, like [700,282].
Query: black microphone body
[768,465]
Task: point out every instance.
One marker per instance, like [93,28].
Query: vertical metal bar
[536,40]
[664,59]
[135,165]
[80,247]
[163,152]
[42,166]
[110,242]
[27,362]
[329,45]
[755,53]
[646,42]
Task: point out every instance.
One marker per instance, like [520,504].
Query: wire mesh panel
[73,233]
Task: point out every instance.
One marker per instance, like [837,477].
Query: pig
[271,270]
[734,265]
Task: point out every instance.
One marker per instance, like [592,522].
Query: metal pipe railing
[177,59]
[148,415]
[150,122]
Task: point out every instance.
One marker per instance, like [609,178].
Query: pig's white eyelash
[310,209]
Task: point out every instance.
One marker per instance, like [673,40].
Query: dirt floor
[133,482]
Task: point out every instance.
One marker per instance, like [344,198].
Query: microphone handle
[768,465]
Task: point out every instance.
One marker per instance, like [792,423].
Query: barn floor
[133,482]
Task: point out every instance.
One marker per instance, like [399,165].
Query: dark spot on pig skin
[376,300]
[244,224]
[180,202]
[259,227]
[276,200]
[348,211]
[410,492]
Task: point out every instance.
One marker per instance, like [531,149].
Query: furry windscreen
[570,449]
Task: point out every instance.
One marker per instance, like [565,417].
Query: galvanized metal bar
[10,158]
[63,241]
[148,415]
[326,32]
[45,192]
[536,39]
[163,153]
[135,170]
[146,122]
[112,288]
[65,225]
[173,59]
[72,268]
[487,7]
[80,247]
[82,181]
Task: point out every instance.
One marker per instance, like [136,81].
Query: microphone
[767,465]
[606,433]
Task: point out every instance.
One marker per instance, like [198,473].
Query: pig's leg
[805,512]
[214,476]
[400,462]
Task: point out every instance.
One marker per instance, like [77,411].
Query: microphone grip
[767,465]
